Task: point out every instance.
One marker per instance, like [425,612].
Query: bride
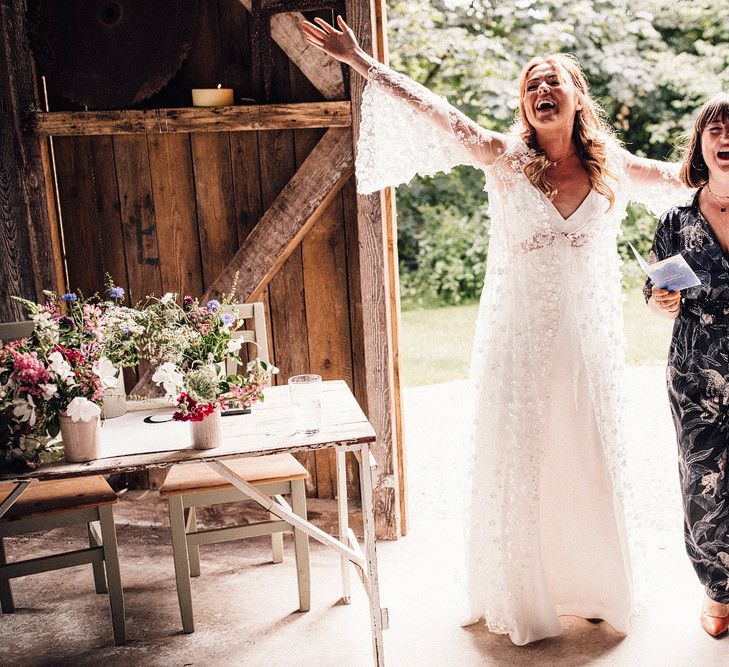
[546,533]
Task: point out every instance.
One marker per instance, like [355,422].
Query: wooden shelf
[191,119]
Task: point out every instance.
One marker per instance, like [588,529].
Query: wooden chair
[196,485]
[54,504]
[15,330]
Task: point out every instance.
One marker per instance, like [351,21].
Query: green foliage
[638,228]
[650,63]
[451,257]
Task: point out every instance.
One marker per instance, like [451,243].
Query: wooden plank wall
[29,233]
[167,212]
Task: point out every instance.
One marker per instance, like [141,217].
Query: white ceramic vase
[206,434]
[81,440]
[115,399]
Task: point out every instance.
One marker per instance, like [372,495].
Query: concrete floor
[246,607]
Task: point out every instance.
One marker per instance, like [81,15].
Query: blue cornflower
[116,292]
[227,318]
[125,328]
[213,305]
[70,296]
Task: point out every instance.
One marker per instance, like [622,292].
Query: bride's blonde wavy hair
[590,133]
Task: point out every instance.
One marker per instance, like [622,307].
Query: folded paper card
[672,273]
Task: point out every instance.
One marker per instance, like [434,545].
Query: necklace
[718,198]
[562,159]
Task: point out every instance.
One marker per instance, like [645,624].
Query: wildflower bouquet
[123,328]
[201,390]
[59,369]
[192,344]
[26,387]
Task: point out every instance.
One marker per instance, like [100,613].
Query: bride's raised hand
[339,44]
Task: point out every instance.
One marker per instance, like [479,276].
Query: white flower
[169,296]
[60,367]
[234,344]
[49,390]
[82,409]
[25,410]
[107,372]
[46,328]
[170,378]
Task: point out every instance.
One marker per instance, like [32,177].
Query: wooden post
[375,359]
[392,265]
[28,258]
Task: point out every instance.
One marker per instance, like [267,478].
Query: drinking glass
[306,397]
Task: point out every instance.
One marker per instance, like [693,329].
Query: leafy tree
[650,63]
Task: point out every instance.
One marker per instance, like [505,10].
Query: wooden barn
[106,167]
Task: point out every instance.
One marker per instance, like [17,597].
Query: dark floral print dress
[698,390]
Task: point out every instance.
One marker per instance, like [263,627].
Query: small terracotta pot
[81,440]
[206,434]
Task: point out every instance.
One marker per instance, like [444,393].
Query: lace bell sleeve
[653,183]
[406,129]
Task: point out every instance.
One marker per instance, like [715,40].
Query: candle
[212,97]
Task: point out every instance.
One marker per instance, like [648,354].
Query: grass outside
[435,344]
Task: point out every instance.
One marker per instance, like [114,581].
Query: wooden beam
[285,223]
[192,119]
[324,72]
[28,258]
[393,264]
[374,300]
[290,217]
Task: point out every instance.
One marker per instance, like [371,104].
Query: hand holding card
[672,273]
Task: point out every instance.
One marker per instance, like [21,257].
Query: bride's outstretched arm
[652,182]
[484,146]
[644,171]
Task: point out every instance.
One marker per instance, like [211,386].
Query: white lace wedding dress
[546,532]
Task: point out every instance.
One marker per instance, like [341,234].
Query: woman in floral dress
[698,363]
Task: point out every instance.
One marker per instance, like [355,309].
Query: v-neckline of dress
[555,210]
[710,231]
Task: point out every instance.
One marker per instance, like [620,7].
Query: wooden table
[147,438]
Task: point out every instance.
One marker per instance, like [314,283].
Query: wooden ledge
[191,119]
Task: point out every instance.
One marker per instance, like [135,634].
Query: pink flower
[29,372]
[51,308]
[93,320]
[243,397]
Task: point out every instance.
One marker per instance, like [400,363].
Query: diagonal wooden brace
[324,73]
[290,217]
